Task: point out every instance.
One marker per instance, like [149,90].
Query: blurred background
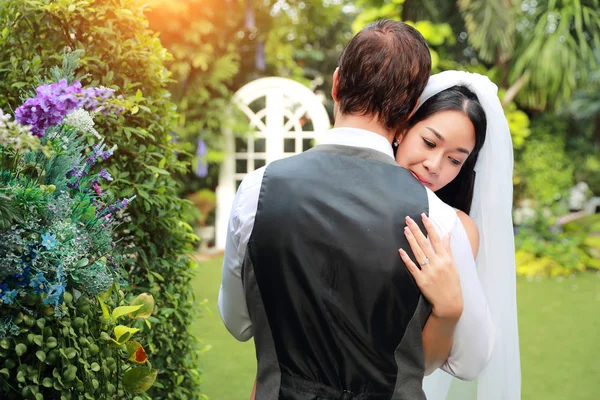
[544,56]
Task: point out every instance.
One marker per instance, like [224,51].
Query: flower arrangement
[59,262]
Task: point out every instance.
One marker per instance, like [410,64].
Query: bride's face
[435,149]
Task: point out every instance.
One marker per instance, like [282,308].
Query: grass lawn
[559,330]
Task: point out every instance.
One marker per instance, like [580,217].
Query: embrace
[380,264]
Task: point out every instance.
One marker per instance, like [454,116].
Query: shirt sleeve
[474,335]
[232,298]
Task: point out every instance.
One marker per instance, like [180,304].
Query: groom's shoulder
[442,215]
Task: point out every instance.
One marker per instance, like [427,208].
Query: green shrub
[543,171]
[121,53]
[547,249]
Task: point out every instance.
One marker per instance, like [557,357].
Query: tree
[533,43]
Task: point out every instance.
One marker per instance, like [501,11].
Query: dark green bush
[121,53]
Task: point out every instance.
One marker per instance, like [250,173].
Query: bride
[466,158]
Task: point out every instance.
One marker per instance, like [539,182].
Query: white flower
[82,120]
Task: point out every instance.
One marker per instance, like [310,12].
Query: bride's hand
[437,276]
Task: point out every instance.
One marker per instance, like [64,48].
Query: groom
[311,267]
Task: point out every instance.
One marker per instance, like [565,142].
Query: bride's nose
[433,164]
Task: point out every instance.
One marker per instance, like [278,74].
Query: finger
[446,243]
[434,238]
[420,238]
[414,245]
[410,265]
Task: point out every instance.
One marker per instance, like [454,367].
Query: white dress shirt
[474,334]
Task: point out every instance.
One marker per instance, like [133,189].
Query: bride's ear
[400,136]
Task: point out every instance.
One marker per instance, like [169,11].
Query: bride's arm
[472,231]
[438,333]
[439,282]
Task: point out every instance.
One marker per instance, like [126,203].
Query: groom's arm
[232,298]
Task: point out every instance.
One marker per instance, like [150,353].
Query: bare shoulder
[471,229]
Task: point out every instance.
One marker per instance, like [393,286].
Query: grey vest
[335,313]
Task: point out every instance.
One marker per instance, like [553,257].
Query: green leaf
[20,349]
[139,96]
[41,355]
[47,382]
[146,301]
[82,263]
[70,373]
[70,352]
[105,312]
[51,342]
[5,372]
[122,332]
[139,379]
[4,32]
[123,310]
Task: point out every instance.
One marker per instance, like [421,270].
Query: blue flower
[26,258]
[48,241]
[39,283]
[9,296]
[3,288]
[22,279]
[56,291]
[55,295]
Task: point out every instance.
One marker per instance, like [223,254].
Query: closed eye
[429,143]
[455,161]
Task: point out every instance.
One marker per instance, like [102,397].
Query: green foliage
[491,26]
[543,170]
[546,249]
[202,37]
[68,357]
[121,53]
[587,229]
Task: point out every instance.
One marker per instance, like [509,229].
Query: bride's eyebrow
[440,137]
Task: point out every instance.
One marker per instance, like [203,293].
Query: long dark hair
[459,192]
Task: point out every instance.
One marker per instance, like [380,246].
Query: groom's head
[382,72]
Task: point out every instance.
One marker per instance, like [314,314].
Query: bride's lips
[423,181]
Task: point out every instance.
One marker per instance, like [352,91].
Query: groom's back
[334,311]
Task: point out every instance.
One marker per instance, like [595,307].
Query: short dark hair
[459,192]
[382,72]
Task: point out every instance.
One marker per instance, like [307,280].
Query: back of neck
[366,122]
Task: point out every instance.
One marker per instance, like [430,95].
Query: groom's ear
[334,86]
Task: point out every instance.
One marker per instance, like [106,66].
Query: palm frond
[491,25]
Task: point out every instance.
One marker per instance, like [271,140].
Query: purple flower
[53,102]
[49,107]
[104,174]
[201,167]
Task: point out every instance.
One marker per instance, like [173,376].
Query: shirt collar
[357,138]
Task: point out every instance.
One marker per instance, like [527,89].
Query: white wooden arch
[285,118]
